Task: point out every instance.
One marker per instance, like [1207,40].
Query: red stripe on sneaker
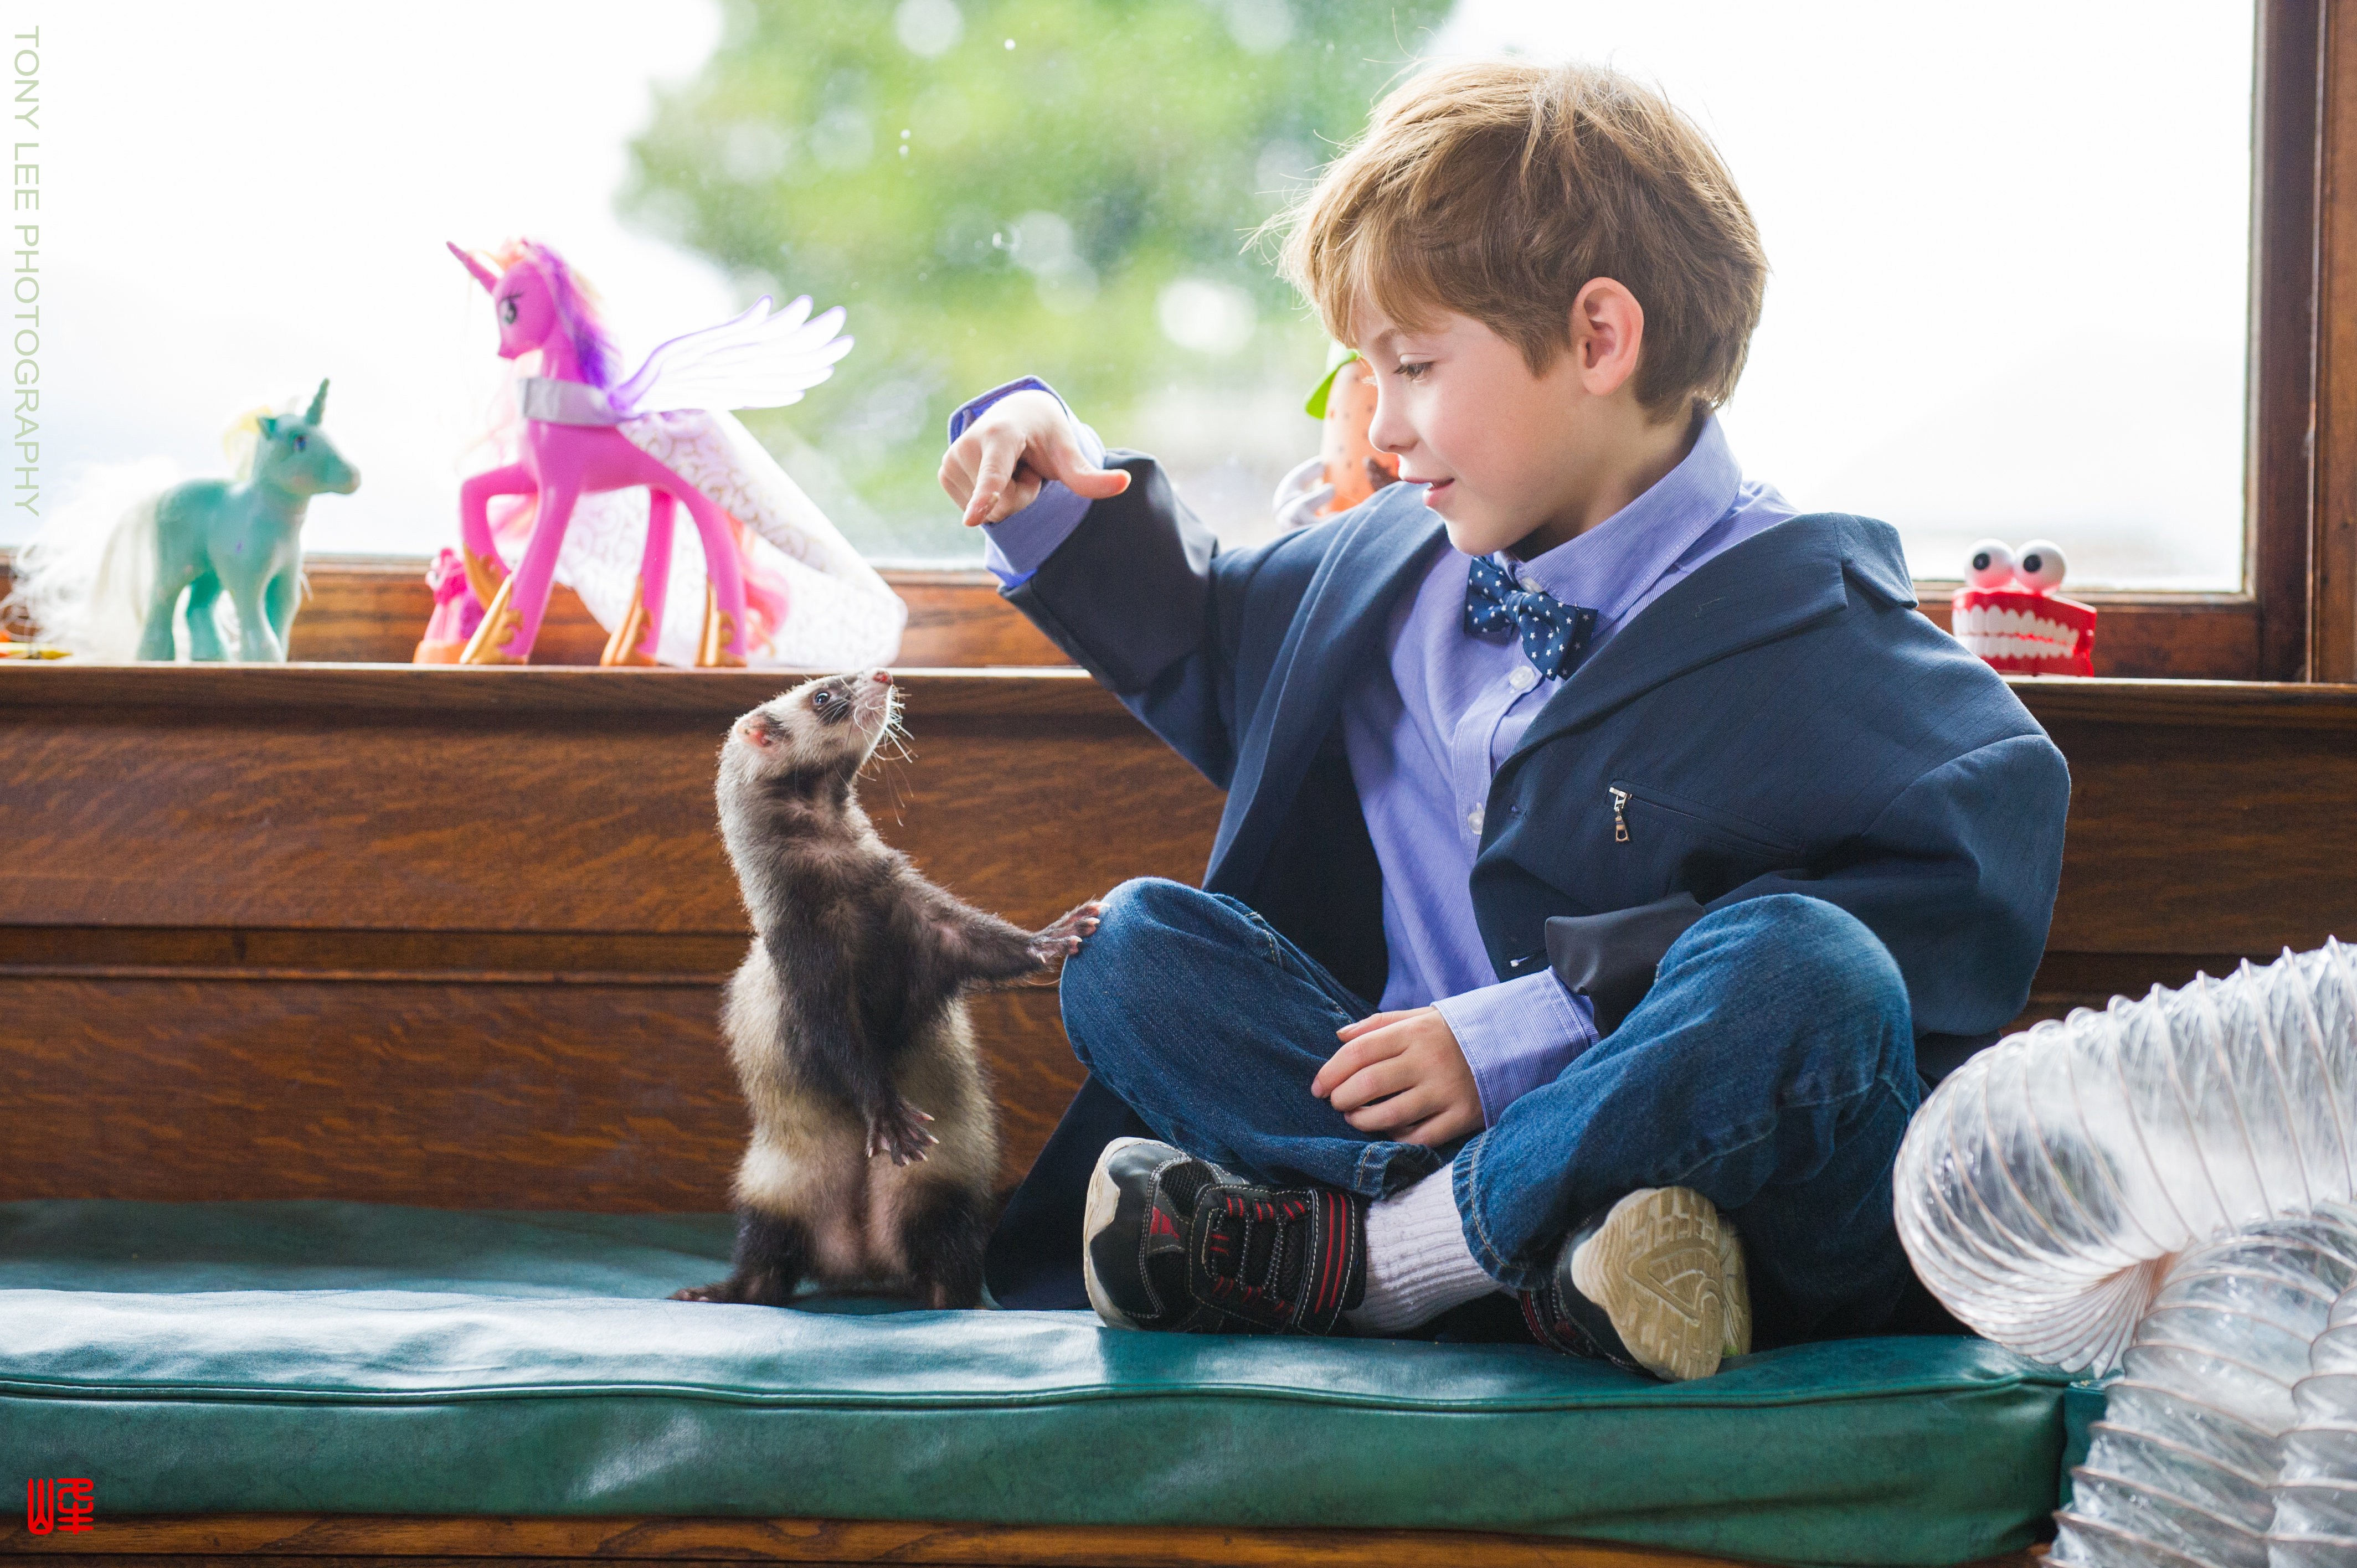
[1329,1269]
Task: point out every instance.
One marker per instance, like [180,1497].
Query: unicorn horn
[318,405]
[483,275]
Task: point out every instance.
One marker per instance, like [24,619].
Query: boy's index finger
[991,476]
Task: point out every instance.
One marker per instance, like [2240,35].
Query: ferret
[848,1015]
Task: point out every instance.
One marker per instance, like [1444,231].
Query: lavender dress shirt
[1426,731]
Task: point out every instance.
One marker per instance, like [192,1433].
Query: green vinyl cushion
[348,1358]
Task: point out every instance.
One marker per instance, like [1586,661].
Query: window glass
[2010,243]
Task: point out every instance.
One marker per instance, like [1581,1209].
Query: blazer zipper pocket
[1726,828]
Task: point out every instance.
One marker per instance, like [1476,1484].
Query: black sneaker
[1175,1243]
[1656,1283]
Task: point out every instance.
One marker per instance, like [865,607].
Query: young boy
[1672,840]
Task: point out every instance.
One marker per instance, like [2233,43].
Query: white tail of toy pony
[85,580]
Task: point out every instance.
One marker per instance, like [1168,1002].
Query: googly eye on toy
[2008,613]
[1991,565]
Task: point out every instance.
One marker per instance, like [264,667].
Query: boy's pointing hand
[1403,1076]
[1021,442]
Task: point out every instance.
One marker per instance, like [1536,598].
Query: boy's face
[1512,459]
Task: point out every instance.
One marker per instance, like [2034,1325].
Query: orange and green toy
[1345,402]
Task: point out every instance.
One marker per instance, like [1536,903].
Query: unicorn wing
[753,361]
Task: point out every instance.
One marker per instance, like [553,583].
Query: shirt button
[1523,677]
[1473,819]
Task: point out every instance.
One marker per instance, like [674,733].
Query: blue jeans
[1771,1068]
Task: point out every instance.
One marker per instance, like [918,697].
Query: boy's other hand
[1403,1076]
[1021,442]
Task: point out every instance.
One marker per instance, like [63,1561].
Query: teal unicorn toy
[115,594]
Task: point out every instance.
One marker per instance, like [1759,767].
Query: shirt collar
[1609,567]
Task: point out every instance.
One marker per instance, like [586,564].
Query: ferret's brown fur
[847,1017]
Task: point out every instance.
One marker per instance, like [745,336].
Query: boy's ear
[1607,332]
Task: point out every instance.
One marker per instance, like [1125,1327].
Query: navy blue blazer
[1783,721]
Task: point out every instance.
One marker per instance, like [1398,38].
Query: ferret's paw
[1063,938]
[716,1291]
[897,1132]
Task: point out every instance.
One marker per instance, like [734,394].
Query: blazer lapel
[1384,547]
[1764,588]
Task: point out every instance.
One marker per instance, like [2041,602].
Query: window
[2021,263]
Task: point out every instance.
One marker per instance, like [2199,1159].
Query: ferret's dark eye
[819,700]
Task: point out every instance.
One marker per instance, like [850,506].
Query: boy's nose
[1387,432]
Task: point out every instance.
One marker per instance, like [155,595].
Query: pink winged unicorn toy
[600,466]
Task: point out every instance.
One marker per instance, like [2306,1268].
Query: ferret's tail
[84,582]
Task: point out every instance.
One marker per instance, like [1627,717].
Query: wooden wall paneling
[2204,820]
[610,1095]
[386,939]
[414,798]
[302,1012]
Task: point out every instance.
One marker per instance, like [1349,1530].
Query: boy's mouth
[1439,482]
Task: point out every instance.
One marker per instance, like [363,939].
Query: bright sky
[2010,240]
[228,219]
[2010,243]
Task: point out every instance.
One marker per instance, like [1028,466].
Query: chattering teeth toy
[2008,613]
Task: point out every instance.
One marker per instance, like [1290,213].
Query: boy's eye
[1414,373]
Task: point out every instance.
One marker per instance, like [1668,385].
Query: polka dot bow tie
[1554,634]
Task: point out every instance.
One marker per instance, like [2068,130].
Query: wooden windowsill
[372,610]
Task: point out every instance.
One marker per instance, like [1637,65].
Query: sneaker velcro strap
[1284,1262]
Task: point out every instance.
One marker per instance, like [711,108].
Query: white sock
[1418,1264]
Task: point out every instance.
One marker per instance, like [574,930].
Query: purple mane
[576,308]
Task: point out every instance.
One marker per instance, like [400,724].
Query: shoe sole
[1668,1272]
[1104,1201]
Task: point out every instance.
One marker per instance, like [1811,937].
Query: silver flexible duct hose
[2315,1492]
[2184,1463]
[2048,1187]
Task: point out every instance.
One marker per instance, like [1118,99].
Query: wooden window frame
[2296,618]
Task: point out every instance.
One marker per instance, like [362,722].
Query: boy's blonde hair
[1500,190]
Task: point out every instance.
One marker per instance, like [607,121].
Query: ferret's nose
[883,677]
